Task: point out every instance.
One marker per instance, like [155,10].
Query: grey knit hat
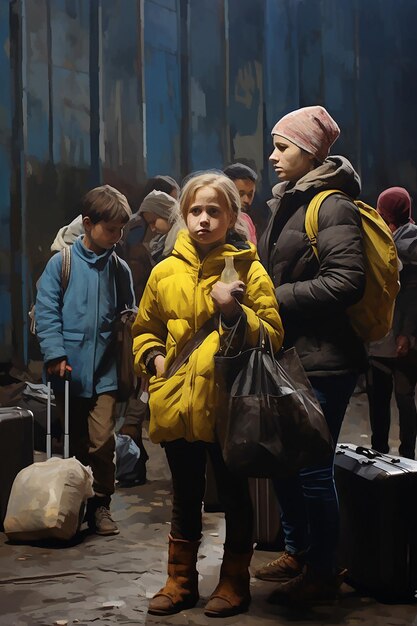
[160,203]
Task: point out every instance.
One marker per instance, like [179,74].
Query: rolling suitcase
[47,499]
[16,443]
[378,521]
[211,499]
[267,530]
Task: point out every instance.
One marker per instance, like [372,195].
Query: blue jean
[308,501]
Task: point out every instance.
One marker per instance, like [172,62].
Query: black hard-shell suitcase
[55,533]
[378,511]
[16,449]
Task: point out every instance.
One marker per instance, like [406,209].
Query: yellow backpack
[371,317]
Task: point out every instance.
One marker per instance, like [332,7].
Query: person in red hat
[393,360]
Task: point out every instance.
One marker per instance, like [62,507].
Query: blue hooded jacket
[78,324]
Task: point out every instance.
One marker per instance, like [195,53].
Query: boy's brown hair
[105,204]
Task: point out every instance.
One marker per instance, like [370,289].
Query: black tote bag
[273,424]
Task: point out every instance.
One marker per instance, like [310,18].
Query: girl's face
[290,162]
[156,223]
[103,235]
[208,219]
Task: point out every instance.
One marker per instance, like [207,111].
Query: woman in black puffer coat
[314,296]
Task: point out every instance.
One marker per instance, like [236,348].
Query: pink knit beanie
[309,128]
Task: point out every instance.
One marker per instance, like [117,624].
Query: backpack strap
[312,216]
[65,268]
[123,286]
[192,344]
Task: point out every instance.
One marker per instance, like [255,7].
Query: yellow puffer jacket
[175,304]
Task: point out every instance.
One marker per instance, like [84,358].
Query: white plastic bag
[46,499]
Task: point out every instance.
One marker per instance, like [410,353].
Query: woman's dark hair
[105,204]
[240,171]
[159,183]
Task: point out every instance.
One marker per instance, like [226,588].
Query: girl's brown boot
[232,594]
[181,589]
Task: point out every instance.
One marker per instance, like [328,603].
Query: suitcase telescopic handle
[67,378]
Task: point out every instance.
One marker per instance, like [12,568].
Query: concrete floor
[109,580]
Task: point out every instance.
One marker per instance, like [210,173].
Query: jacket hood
[242,250]
[99,260]
[405,239]
[68,234]
[336,172]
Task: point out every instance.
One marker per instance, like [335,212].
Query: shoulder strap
[118,279]
[192,344]
[65,267]
[312,215]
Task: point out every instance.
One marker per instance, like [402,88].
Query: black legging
[187,462]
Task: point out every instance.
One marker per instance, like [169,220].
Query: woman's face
[208,219]
[290,162]
[156,223]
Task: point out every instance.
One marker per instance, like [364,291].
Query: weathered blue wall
[118,90]
[5,181]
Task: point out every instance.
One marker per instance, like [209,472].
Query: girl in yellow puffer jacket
[182,293]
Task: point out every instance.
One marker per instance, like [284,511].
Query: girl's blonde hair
[224,187]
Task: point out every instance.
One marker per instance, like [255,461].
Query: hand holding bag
[274,425]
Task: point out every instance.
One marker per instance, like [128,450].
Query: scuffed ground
[102,580]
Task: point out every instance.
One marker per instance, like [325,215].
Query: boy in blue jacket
[75,329]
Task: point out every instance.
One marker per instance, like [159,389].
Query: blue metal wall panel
[5,180]
[161,26]
[69,25]
[310,56]
[162,91]
[207,84]
[339,62]
[70,80]
[402,144]
[373,29]
[37,80]
[387,97]
[281,79]
[246,48]
[167,4]
[121,87]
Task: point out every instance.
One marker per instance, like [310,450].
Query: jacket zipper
[96,331]
[192,380]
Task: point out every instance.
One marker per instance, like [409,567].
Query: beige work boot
[104,524]
[282,569]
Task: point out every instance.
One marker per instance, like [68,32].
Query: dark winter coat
[132,249]
[405,315]
[313,296]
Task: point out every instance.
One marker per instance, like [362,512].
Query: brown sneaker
[104,523]
[308,589]
[284,568]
